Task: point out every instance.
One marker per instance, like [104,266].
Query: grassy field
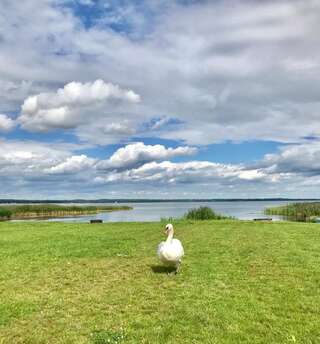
[241,282]
[25,211]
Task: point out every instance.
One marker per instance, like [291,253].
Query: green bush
[203,213]
[5,213]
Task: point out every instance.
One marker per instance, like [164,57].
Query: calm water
[155,211]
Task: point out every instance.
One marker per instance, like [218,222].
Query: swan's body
[170,252]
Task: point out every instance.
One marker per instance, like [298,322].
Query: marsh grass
[301,212]
[240,282]
[204,213]
[197,214]
[52,210]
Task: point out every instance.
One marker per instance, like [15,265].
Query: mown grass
[49,210]
[241,282]
[303,211]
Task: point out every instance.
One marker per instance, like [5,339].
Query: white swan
[170,251]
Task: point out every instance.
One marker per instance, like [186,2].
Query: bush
[203,213]
[5,213]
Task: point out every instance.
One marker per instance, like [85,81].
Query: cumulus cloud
[28,158]
[6,123]
[72,164]
[137,154]
[72,105]
[194,172]
[46,169]
[251,72]
[243,78]
[294,159]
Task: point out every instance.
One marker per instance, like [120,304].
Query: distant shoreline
[48,210]
[124,200]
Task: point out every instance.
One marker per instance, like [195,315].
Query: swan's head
[169,229]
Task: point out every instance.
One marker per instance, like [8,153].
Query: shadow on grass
[160,269]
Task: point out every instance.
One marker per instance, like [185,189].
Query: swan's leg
[171,273]
[178,267]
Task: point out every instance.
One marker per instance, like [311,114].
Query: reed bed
[204,213]
[53,210]
[304,211]
[197,214]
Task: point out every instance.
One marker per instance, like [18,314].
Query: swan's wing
[178,248]
[160,248]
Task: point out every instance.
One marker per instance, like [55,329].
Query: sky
[159,99]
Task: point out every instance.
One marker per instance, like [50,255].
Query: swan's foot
[178,266]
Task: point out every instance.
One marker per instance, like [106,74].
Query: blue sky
[159,99]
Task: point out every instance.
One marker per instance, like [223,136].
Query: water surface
[243,210]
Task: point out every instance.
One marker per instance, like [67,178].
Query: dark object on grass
[96,221]
[263,219]
[161,269]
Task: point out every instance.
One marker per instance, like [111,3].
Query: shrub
[203,213]
[5,213]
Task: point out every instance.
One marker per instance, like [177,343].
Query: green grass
[53,210]
[241,282]
[303,211]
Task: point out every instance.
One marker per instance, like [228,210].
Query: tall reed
[304,211]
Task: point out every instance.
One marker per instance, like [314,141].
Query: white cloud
[72,105]
[243,78]
[191,172]
[301,159]
[6,123]
[45,170]
[72,164]
[137,154]
[246,71]
[18,158]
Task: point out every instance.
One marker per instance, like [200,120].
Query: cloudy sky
[159,98]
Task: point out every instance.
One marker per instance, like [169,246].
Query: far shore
[47,211]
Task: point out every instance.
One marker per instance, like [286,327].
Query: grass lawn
[241,282]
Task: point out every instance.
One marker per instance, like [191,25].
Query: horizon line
[146,200]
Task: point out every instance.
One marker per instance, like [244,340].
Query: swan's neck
[169,238]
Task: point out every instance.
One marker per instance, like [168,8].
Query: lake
[243,210]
